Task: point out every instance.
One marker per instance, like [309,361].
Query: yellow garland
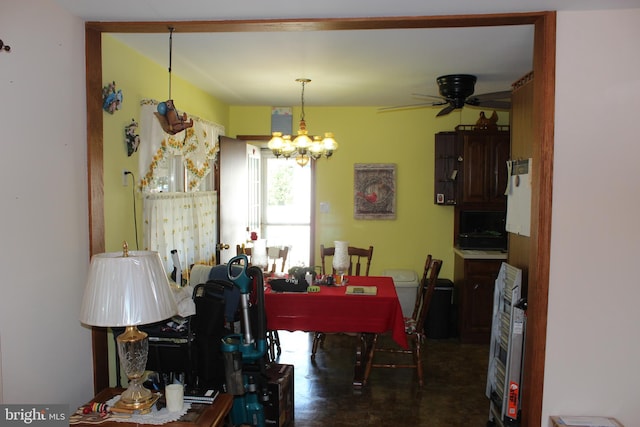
[185,146]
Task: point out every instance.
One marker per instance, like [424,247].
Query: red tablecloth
[331,310]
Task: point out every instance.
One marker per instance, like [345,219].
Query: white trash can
[406,282]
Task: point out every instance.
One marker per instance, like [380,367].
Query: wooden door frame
[544,101]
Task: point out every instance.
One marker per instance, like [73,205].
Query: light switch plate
[324,207]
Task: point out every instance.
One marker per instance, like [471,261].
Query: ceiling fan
[456,91]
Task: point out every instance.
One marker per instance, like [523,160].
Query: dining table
[333,310]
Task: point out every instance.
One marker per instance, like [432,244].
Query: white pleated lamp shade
[127,290]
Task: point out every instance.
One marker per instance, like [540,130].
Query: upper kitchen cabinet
[471,168]
[448,156]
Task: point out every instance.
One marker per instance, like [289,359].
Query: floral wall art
[374,191]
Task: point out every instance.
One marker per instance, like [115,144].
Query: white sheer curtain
[179,211]
[182,221]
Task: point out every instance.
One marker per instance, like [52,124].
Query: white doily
[156,416]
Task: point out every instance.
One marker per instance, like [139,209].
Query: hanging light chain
[303,81]
[170,56]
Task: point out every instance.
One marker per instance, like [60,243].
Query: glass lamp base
[143,406]
[133,349]
[136,396]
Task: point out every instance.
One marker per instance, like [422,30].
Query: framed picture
[282,120]
[374,194]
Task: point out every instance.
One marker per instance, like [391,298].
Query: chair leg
[367,369]
[276,341]
[273,343]
[417,355]
[318,337]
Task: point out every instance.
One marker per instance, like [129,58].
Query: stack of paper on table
[361,290]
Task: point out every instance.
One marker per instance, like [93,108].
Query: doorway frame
[544,109]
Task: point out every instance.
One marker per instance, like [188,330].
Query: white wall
[593,350]
[46,353]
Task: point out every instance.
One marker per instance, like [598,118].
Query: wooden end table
[200,415]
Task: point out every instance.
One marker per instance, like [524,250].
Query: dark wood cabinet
[470,167]
[448,159]
[474,283]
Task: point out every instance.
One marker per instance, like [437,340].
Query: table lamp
[128,289]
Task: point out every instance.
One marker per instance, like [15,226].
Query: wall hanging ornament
[170,120]
[132,139]
[111,98]
[4,47]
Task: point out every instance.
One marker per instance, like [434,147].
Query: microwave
[482,230]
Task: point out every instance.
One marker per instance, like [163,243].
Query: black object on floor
[437,325]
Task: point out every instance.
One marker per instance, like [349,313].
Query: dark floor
[453,394]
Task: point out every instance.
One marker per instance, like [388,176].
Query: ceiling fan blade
[498,105]
[420,95]
[505,94]
[401,107]
[446,110]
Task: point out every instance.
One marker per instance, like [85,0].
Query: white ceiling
[364,67]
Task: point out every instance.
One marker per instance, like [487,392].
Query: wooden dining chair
[357,256]
[414,328]
[428,263]
[274,254]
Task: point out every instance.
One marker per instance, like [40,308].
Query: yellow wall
[365,135]
[138,78]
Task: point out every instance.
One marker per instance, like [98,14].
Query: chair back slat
[420,289]
[274,254]
[427,296]
[357,257]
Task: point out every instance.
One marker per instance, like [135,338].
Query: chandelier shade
[304,147]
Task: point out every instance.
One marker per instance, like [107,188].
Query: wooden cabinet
[474,283]
[484,167]
[470,167]
[447,164]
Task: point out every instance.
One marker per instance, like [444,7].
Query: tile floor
[453,394]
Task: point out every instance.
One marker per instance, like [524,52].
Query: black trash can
[437,323]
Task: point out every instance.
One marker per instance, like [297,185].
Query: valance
[195,147]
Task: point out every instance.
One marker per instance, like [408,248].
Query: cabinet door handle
[476,286]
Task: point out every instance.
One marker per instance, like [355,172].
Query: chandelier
[303,147]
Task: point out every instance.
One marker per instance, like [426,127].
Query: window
[286,206]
